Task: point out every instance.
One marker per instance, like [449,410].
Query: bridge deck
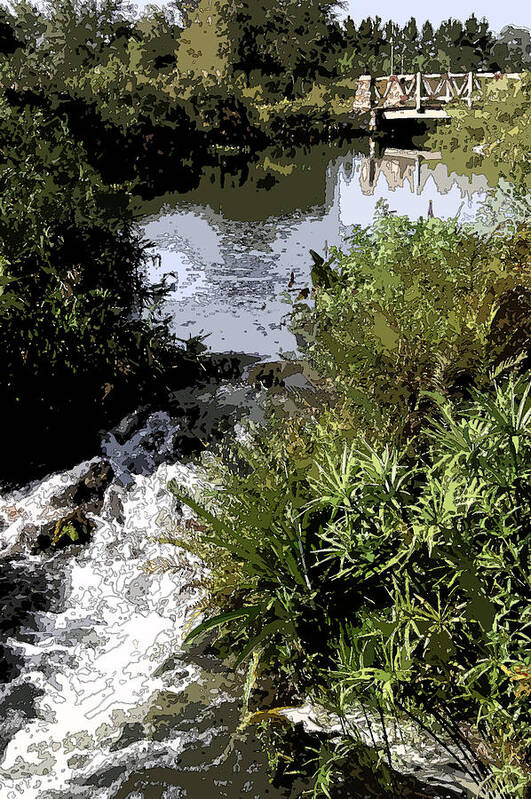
[412,113]
[420,96]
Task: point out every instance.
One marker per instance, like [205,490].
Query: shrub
[371,549]
[413,306]
[440,547]
[497,124]
[70,268]
[398,583]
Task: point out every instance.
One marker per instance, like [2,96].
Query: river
[97,696]
[230,251]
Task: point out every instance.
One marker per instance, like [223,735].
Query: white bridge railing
[421,89]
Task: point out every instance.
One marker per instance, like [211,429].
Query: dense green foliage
[157,85]
[370,549]
[454,46]
[70,260]
[415,306]
[493,137]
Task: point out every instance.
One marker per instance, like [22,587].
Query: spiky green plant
[407,584]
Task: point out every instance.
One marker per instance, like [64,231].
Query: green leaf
[218,621]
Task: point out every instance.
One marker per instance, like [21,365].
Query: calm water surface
[227,249]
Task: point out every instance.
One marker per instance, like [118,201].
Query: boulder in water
[74,528]
[88,490]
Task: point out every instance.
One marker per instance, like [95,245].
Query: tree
[428,59]
[410,46]
[517,42]
[204,46]
[373,45]
[298,39]
[157,34]
[475,44]
[447,41]
[69,37]
[465,47]
[254,47]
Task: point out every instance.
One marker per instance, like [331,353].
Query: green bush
[413,306]
[396,583]
[498,125]
[70,259]
[372,548]
[441,547]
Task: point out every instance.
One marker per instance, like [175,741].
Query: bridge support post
[448,84]
[372,104]
[418,92]
[470,88]
[372,162]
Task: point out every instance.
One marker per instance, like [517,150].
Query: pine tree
[448,42]
[410,51]
[428,49]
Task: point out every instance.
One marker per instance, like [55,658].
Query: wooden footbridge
[420,96]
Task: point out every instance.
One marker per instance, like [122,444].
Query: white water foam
[95,660]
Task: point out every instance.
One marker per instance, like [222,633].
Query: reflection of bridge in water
[411,169]
[398,166]
[407,179]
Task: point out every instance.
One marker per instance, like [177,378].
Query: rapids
[98,698]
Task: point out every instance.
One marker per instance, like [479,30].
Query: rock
[290,374]
[74,528]
[422,766]
[60,515]
[115,506]
[298,382]
[87,492]
[269,374]
[25,540]
[130,424]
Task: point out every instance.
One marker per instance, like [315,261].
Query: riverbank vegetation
[149,95]
[73,339]
[492,136]
[369,547]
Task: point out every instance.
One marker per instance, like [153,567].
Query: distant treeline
[148,94]
[284,41]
